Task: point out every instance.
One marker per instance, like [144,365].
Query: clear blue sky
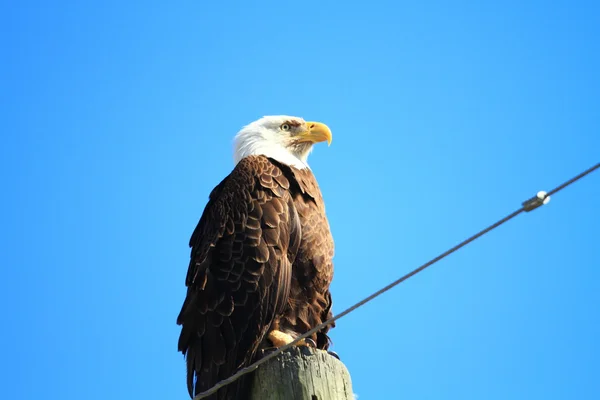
[117,121]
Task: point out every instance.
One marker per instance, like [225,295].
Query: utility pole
[302,373]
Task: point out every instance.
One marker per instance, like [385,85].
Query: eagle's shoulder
[260,172]
[303,180]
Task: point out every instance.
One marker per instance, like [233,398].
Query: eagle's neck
[255,146]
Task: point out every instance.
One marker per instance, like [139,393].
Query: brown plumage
[261,260]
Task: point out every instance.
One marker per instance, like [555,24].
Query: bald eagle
[261,258]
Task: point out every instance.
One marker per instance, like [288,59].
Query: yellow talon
[280,339]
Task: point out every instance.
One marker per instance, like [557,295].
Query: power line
[536,201]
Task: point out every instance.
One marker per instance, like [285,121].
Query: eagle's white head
[286,139]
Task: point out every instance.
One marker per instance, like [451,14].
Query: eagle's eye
[285,127]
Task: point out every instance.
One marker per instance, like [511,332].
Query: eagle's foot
[280,339]
[334,354]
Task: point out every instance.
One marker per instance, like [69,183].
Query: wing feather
[239,274]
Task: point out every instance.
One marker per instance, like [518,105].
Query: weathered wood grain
[302,373]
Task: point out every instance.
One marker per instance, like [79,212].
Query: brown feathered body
[261,259]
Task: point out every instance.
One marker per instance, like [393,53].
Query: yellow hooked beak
[317,132]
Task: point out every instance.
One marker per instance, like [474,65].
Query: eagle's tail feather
[189,362]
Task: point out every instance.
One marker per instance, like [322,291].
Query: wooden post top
[302,373]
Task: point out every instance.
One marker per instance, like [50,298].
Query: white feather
[264,137]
